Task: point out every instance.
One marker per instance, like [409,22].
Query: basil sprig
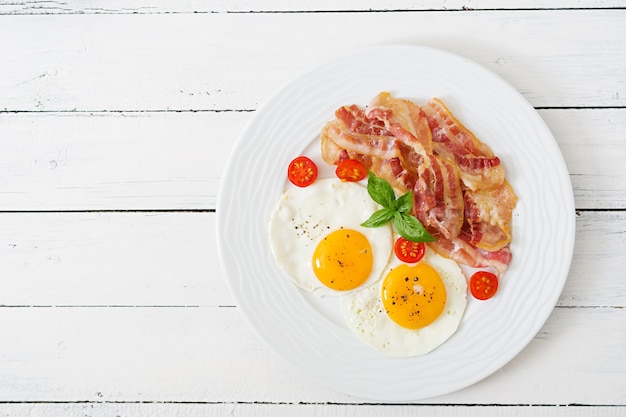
[395,210]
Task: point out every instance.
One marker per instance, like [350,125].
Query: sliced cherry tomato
[409,252]
[302,171]
[483,285]
[350,170]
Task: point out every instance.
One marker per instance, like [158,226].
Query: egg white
[303,216]
[365,314]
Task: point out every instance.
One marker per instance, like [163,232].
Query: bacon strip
[459,188]
[386,133]
[465,253]
[488,198]
[402,118]
[488,215]
[479,167]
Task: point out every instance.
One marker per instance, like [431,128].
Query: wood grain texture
[170,259]
[91,161]
[111,259]
[235,61]
[115,299]
[186,355]
[246,6]
[174,160]
[103,409]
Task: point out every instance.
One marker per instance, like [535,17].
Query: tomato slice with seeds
[350,170]
[409,252]
[302,171]
[483,285]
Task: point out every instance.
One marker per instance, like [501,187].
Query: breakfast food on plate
[460,191]
[316,237]
[412,310]
[436,197]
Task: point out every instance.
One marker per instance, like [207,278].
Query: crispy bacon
[459,188]
[463,252]
[488,214]
[392,126]
[354,118]
[479,167]
[435,182]
[403,118]
[437,196]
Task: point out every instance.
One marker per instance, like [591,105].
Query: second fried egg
[412,310]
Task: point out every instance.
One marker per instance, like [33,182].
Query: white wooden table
[116,118]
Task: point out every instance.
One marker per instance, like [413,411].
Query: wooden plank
[174,160]
[588,283]
[84,161]
[243,6]
[592,144]
[210,355]
[234,61]
[100,409]
[171,259]
[103,259]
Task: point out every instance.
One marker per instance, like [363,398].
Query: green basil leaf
[410,228]
[380,191]
[394,210]
[404,204]
[379,218]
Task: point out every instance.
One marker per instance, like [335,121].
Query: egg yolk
[343,259]
[413,295]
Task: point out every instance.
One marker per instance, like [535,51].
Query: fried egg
[317,239]
[412,310]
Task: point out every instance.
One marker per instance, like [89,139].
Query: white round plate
[308,332]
